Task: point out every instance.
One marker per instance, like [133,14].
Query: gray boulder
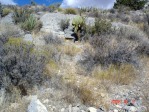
[36,106]
[28,37]
[7,19]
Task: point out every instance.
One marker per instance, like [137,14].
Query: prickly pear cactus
[78,23]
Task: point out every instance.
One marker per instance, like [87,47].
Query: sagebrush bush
[94,14]
[118,47]
[70,50]
[123,17]
[70,11]
[102,26]
[21,66]
[64,24]
[52,39]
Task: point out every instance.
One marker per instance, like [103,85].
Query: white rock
[91,109]
[76,109]
[133,109]
[7,19]
[70,108]
[36,106]
[28,37]
[2,96]
[63,110]
[115,110]
[102,95]
[82,111]
[46,101]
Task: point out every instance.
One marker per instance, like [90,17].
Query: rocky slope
[47,99]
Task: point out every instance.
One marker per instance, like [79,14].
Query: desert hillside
[55,59]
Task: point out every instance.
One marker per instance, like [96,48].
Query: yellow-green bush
[102,26]
[5,12]
[17,42]
[70,11]
[60,9]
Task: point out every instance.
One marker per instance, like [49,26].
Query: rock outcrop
[36,106]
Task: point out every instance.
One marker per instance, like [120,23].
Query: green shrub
[133,4]
[94,13]
[21,66]
[70,11]
[33,3]
[20,15]
[54,7]
[5,12]
[64,24]
[60,9]
[101,26]
[31,23]
[1,9]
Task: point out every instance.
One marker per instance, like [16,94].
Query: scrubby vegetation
[27,20]
[64,24]
[102,26]
[54,7]
[31,23]
[70,11]
[21,66]
[5,12]
[20,15]
[110,58]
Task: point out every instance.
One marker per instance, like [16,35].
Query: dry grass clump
[52,68]
[70,11]
[86,95]
[70,50]
[52,39]
[87,89]
[124,74]
[6,11]
[19,104]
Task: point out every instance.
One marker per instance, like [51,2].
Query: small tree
[33,2]
[133,4]
[1,10]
